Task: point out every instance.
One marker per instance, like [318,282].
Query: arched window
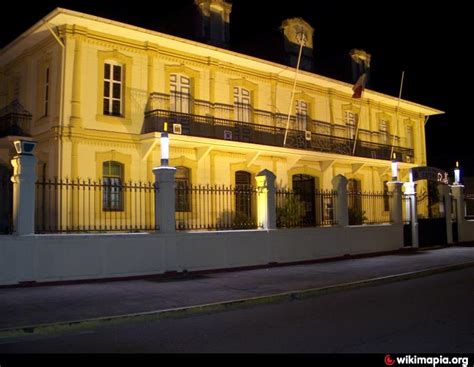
[243,197]
[112,194]
[183,189]
[180,93]
[113,88]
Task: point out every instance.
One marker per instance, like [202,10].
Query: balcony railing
[224,129]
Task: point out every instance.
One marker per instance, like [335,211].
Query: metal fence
[305,209]
[216,207]
[65,205]
[368,207]
[6,204]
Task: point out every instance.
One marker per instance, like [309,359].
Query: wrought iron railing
[65,205]
[224,129]
[368,207]
[305,208]
[216,207]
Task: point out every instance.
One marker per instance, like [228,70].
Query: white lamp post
[394,168]
[165,146]
[457,174]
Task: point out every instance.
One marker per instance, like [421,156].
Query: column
[266,206]
[410,190]
[339,184]
[165,199]
[24,178]
[395,187]
[458,194]
[444,195]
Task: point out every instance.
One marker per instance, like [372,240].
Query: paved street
[431,314]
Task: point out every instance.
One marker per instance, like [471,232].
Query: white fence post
[444,194]
[410,190]
[165,199]
[339,184]
[24,178]
[266,206]
[395,187]
[458,195]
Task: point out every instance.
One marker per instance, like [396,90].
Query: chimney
[295,31]
[213,22]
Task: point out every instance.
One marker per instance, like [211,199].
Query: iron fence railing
[305,208]
[270,133]
[216,207]
[6,205]
[65,205]
[368,207]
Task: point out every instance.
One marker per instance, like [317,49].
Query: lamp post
[394,167]
[165,146]
[457,174]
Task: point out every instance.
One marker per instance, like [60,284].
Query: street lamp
[165,146]
[394,167]
[457,174]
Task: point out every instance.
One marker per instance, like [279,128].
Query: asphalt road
[426,315]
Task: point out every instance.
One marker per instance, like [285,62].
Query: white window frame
[180,93]
[350,117]
[109,98]
[383,131]
[301,114]
[242,104]
[47,76]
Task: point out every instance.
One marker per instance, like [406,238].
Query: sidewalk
[29,306]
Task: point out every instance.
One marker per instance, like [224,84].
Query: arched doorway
[6,200]
[304,187]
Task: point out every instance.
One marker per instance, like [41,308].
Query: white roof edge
[429,111]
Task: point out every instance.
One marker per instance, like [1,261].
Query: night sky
[426,40]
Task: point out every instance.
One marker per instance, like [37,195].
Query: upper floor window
[46,93]
[113,88]
[242,104]
[180,93]
[350,118]
[301,114]
[410,137]
[112,194]
[383,129]
[183,189]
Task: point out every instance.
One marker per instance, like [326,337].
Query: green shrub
[356,216]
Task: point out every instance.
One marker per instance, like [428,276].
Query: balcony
[14,120]
[224,129]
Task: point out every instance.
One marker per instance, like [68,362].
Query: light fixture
[394,167]
[457,174]
[165,146]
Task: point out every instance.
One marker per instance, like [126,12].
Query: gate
[6,200]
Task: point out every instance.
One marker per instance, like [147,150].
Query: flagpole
[294,88]
[398,109]
[357,126]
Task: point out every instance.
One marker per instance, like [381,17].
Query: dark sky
[426,40]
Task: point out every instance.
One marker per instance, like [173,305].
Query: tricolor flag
[359,86]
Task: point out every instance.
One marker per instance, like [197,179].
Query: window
[180,93]
[46,93]
[243,207]
[183,189]
[383,129]
[301,115]
[242,104]
[409,137]
[351,119]
[112,199]
[113,88]
[386,197]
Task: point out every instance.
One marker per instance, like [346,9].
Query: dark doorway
[304,188]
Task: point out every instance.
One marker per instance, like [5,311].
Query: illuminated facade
[100,93]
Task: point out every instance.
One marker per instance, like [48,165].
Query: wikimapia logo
[427,361]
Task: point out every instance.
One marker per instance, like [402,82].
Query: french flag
[359,86]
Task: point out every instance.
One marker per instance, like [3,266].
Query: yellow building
[100,91]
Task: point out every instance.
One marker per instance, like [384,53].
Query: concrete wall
[44,258]
[466,231]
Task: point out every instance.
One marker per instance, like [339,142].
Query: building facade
[101,92]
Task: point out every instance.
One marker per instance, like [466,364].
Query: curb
[66,326]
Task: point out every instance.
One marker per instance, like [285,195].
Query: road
[426,315]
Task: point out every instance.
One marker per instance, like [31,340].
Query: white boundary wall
[44,258]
